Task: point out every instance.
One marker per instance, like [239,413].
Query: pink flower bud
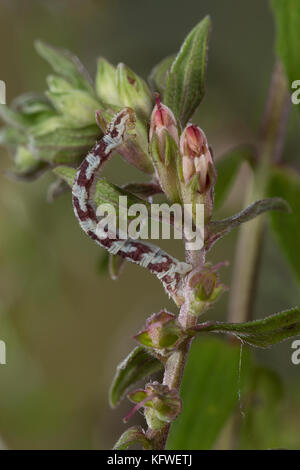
[196,157]
[162,119]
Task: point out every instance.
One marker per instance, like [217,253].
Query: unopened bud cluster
[161,404]
[184,165]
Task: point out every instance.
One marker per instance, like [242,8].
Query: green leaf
[287,18]
[137,365]
[32,104]
[227,169]
[185,84]
[65,64]
[286,227]
[105,82]
[260,333]
[261,426]
[159,75]
[14,118]
[209,393]
[132,436]
[105,192]
[220,228]
[77,106]
[26,167]
[64,144]
[12,136]
[133,91]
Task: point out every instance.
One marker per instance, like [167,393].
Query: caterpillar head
[122,125]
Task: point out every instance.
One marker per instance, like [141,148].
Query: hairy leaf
[132,436]
[219,228]
[66,64]
[185,84]
[159,75]
[260,333]
[286,183]
[64,145]
[137,365]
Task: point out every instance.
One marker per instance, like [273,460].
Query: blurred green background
[65,324]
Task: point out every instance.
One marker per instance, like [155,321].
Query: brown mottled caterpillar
[169,270]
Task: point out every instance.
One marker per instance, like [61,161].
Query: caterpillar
[168,269]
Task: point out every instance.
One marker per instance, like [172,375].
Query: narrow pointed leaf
[287,19]
[132,436]
[159,75]
[219,228]
[66,64]
[260,333]
[63,144]
[137,365]
[185,84]
[286,227]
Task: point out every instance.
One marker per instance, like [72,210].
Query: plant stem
[175,364]
[248,245]
[251,234]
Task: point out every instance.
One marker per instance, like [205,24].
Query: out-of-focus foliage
[185,82]
[210,393]
[287,17]
[285,182]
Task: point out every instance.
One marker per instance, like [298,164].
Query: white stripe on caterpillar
[168,269]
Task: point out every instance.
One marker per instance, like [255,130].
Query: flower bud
[162,120]
[164,150]
[162,404]
[206,289]
[133,91]
[161,332]
[106,82]
[197,158]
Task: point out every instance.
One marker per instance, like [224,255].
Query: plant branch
[175,364]
[250,238]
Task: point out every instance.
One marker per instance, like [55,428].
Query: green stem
[251,234]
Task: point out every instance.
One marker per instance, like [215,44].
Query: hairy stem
[251,235]
[175,365]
